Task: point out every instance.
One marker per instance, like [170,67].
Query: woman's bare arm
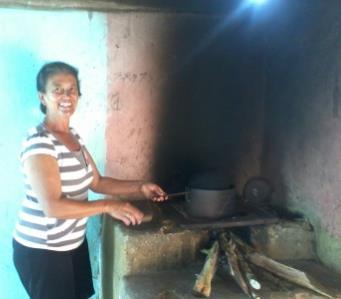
[112,186]
[43,175]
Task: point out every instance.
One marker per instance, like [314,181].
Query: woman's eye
[57,90]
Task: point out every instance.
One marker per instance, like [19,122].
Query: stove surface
[246,216]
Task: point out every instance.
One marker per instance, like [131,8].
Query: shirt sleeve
[38,144]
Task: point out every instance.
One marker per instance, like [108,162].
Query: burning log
[202,286]
[239,268]
[288,273]
[244,262]
[252,281]
[291,274]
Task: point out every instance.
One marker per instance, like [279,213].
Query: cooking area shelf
[176,212]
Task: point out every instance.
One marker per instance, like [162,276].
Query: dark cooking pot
[210,204]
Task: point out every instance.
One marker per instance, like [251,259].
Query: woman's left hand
[154,192]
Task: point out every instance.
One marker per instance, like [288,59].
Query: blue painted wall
[27,40]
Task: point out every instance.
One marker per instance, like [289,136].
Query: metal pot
[210,204]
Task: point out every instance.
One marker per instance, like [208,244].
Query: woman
[50,249]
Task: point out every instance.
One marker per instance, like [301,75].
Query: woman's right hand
[125,212]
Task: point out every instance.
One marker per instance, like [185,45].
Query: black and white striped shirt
[34,228]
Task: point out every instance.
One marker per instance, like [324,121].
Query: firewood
[239,268]
[276,283]
[288,273]
[229,248]
[252,281]
[202,286]
[291,274]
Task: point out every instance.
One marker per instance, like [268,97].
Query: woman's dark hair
[53,68]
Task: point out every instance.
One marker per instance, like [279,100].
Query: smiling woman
[50,248]
[61,94]
[61,76]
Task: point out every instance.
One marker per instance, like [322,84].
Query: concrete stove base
[159,260]
[177,284]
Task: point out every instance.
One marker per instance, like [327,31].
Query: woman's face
[61,95]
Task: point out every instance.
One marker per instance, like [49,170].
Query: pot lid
[211,180]
[257,191]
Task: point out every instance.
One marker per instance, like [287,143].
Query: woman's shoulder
[38,131]
[38,141]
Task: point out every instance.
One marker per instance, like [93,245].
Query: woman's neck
[58,126]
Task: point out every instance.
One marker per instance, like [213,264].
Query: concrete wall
[27,40]
[303,117]
[168,95]
[185,96]
[167,91]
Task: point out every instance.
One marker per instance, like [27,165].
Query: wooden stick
[251,280]
[293,275]
[239,269]
[147,217]
[142,198]
[202,286]
[288,273]
[171,195]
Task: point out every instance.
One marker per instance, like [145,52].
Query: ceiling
[181,6]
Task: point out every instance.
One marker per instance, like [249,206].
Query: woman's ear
[42,98]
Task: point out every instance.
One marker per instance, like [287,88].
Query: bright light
[258,2]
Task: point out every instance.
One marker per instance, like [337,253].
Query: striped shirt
[34,229]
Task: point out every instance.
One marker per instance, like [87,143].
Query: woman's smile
[65,106]
[61,94]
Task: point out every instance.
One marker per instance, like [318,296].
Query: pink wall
[134,99]
[179,100]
